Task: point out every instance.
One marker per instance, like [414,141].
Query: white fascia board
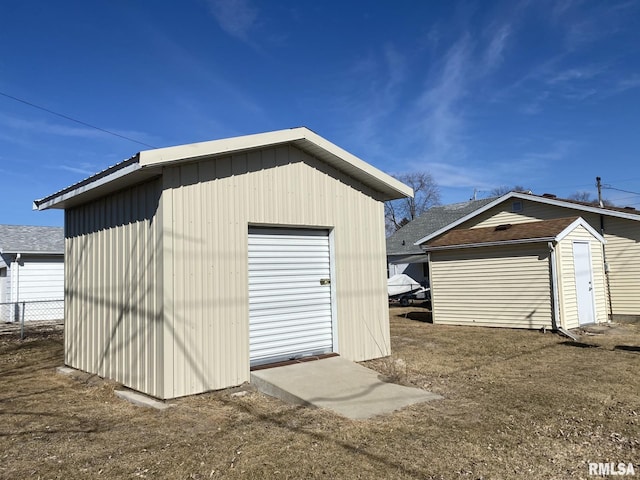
[366,168]
[51,202]
[181,153]
[191,151]
[580,221]
[491,244]
[29,252]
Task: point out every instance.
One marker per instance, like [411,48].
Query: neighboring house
[188,265]
[31,270]
[403,256]
[543,274]
[619,256]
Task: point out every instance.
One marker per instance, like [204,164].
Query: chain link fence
[30,315]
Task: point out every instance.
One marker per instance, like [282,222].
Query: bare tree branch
[426,195]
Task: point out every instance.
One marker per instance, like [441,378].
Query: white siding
[494,286]
[39,279]
[623,257]
[36,279]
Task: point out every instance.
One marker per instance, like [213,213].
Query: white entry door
[289,294]
[584,282]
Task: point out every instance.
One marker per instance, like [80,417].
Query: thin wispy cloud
[440,120]
[583,73]
[494,53]
[85,169]
[43,127]
[449,175]
[236,17]
[441,108]
[219,87]
[375,101]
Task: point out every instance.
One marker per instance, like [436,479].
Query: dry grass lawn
[518,404]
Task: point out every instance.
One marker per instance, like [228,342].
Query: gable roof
[148,164]
[529,232]
[30,239]
[402,242]
[578,207]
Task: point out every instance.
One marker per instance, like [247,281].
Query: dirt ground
[517,404]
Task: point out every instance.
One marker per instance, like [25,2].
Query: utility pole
[599,185]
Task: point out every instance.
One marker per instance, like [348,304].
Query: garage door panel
[289,307]
[256,314]
[292,320]
[309,294]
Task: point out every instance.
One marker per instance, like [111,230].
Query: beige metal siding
[623,257]
[567,281]
[208,206]
[112,288]
[494,286]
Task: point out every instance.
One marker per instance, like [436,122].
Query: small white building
[31,273]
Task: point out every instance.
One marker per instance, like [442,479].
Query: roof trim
[109,175]
[31,252]
[148,163]
[491,244]
[580,222]
[301,137]
[533,198]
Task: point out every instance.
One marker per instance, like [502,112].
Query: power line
[66,117]
[609,187]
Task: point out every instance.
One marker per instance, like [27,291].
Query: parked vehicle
[402,288]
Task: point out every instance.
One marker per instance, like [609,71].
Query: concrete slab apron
[337,384]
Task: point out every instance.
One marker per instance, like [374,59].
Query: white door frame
[332,279]
[589,263]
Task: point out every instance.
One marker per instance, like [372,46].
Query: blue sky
[480,94]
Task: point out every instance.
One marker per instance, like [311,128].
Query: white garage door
[289,294]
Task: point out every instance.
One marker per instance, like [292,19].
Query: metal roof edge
[101,178]
[147,159]
[192,151]
[181,153]
[370,170]
[33,252]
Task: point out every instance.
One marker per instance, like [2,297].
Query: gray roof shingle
[430,221]
[26,238]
